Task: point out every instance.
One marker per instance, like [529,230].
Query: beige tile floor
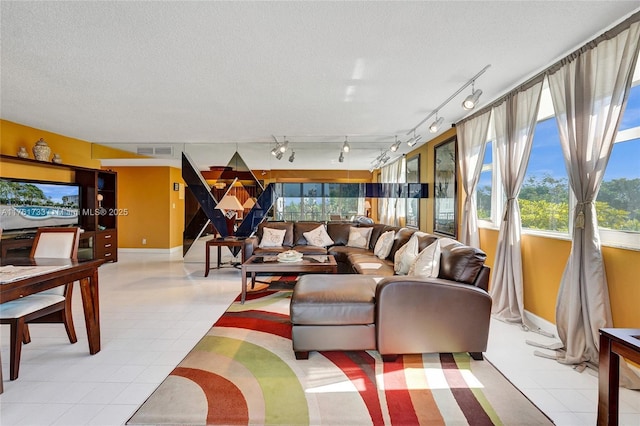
[155,307]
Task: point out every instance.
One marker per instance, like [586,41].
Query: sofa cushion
[461,263]
[376,230]
[341,253]
[367,264]
[288,226]
[405,256]
[299,228]
[333,300]
[318,237]
[339,232]
[401,238]
[427,264]
[359,237]
[272,237]
[383,245]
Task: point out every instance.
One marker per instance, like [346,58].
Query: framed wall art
[445,188]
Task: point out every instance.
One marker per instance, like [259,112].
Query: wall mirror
[445,188]
[413,204]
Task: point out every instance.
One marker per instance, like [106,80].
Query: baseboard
[177,249]
[545,325]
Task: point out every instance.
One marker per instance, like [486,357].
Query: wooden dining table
[56,272]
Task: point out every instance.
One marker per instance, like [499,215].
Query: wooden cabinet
[98,212]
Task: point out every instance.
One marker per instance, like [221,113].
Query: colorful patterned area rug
[243,371]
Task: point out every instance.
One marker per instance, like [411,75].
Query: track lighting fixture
[284,146]
[395,146]
[345,145]
[435,126]
[341,158]
[275,150]
[471,101]
[279,155]
[292,156]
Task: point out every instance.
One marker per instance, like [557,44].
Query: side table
[614,343]
[221,242]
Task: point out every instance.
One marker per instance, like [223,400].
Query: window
[317,201]
[544,196]
[484,192]
[618,202]
[545,204]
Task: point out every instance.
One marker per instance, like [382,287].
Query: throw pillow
[318,237]
[359,237]
[427,264]
[272,237]
[406,255]
[383,245]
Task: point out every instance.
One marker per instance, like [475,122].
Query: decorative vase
[41,151]
[56,159]
[22,152]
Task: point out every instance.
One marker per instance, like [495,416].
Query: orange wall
[155,212]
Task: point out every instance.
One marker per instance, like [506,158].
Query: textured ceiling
[212,77]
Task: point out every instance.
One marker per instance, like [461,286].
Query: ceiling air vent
[155,150]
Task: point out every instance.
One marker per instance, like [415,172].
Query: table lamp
[230,205]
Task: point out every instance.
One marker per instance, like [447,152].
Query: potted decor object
[41,150]
[22,152]
[56,159]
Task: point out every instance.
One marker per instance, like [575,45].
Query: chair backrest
[61,243]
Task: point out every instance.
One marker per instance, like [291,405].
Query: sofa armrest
[250,244]
[422,315]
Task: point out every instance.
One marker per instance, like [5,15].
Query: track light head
[284,146]
[345,145]
[279,155]
[275,150]
[395,146]
[292,156]
[471,101]
[435,126]
[414,140]
[341,158]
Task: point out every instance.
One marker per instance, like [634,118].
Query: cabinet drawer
[107,245]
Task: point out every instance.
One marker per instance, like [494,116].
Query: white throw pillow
[407,255]
[318,237]
[384,244]
[272,237]
[427,264]
[359,237]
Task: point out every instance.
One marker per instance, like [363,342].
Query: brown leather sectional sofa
[378,310]
[460,263]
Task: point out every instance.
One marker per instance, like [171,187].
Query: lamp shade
[249,203]
[367,205]
[229,202]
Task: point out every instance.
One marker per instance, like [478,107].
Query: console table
[614,343]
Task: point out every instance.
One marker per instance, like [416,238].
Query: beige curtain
[515,121]
[391,210]
[472,141]
[589,93]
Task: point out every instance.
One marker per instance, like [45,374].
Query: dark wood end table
[614,343]
[310,264]
[222,242]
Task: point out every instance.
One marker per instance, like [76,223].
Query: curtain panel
[472,142]
[589,93]
[392,211]
[515,121]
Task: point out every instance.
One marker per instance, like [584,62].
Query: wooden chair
[50,306]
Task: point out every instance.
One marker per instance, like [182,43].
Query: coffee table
[310,264]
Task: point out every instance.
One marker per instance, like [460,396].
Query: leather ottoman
[333,312]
